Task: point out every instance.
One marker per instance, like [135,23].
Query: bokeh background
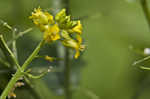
[104,70]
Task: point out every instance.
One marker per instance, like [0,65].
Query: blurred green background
[111,28]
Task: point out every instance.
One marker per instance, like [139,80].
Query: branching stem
[20,71]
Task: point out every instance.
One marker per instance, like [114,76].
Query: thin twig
[141,60]
[8,53]
[145,68]
[6,24]
[20,71]
[14,48]
[20,34]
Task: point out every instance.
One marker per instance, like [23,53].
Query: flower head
[62,28]
[52,33]
[71,32]
[41,18]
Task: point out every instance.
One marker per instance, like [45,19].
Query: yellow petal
[52,34]
[40,17]
[70,43]
[77,54]
[79,39]
[78,28]
[50,18]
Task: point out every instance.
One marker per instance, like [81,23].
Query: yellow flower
[65,35]
[52,33]
[78,28]
[79,39]
[74,45]
[43,28]
[64,20]
[70,34]
[41,18]
[48,58]
[60,16]
[45,22]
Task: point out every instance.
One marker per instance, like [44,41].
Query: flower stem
[32,56]
[20,71]
[14,48]
[67,74]
[11,83]
[8,53]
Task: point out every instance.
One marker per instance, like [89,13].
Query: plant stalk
[14,48]
[67,74]
[8,53]
[20,71]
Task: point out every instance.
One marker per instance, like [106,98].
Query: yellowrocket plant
[55,28]
[60,27]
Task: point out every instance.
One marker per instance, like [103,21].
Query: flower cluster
[60,27]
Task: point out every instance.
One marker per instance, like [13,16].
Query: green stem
[33,55]
[6,24]
[144,5]
[20,34]
[20,71]
[67,74]
[14,48]
[11,83]
[9,55]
